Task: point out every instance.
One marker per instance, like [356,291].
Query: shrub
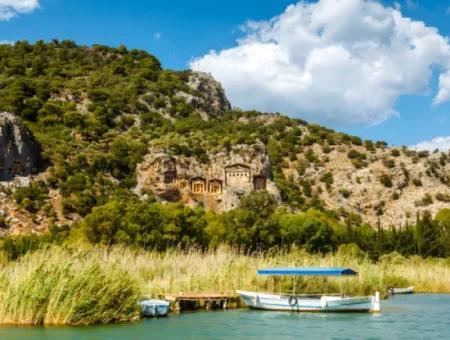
[443,197]
[33,197]
[3,223]
[426,200]
[417,182]
[386,180]
[423,154]
[369,145]
[311,156]
[395,152]
[389,163]
[345,193]
[357,158]
[327,178]
[380,144]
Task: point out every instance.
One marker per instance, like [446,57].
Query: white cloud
[11,8]
[333,60]
[6,42]
[444,92]
[441,143]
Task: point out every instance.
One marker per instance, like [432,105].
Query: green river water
[420,316]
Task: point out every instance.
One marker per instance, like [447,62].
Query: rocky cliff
[211,99]
[20,155]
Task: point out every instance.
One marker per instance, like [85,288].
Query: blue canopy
[308,271]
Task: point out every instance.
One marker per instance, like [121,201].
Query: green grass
[84,285]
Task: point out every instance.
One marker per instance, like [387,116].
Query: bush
[33,197]
[327,178]
[3,223]
[386,180]
[423,154]
[345,193]
[369,145]
[350,251]
[389,163]
[357,158]
[417,182]
[426,200]
[392,258]
[395,152]
[443,197]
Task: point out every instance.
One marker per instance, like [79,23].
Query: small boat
[395,291]
[154,308]
[310,302]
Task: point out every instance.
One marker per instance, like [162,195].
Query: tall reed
[61,285]
[58,286]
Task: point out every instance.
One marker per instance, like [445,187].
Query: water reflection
[403,317]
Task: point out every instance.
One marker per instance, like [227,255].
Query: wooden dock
[208,301]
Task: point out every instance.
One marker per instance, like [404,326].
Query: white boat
[395,291]
[153,308]
[310,302]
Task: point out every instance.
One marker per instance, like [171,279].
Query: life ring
[292,301]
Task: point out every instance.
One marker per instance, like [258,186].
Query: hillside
[112,124]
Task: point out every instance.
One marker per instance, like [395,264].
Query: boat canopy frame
[309,271]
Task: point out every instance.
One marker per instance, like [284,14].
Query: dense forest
[96,110]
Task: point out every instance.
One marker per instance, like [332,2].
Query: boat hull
[154,308]
[324,303]
[396,291]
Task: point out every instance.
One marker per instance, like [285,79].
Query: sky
[376,69]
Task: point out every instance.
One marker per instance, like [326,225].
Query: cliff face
[208,96]
[20,155]
[218,184]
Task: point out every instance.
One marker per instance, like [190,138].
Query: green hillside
[96,111]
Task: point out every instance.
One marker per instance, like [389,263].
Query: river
[419,316]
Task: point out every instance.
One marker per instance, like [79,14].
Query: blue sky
[179,31]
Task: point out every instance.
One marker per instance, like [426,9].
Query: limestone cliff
[209,97]
[20,155]
[218,185]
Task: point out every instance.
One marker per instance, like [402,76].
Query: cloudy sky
[377,69]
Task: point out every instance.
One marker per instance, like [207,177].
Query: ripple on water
[419,316]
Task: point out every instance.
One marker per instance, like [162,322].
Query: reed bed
[64,285]
[58,286]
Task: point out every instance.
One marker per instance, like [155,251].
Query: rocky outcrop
[20,154]
[209,98]
[218,185]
